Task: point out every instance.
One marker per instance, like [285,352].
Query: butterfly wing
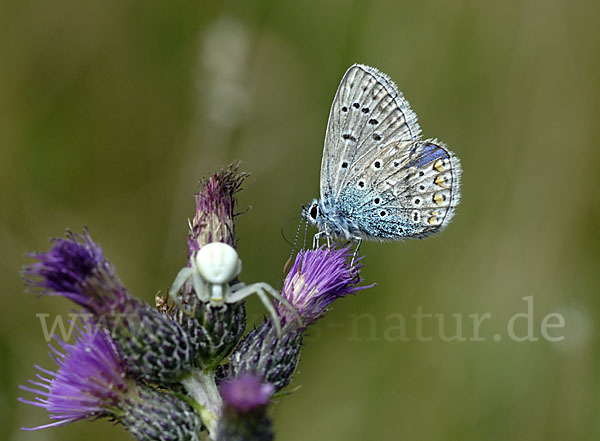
[406,189]
[367,112]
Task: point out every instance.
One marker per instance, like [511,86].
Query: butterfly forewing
[368,112]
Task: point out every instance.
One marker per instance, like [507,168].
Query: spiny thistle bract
[182,368]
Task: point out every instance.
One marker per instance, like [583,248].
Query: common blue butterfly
[379,179]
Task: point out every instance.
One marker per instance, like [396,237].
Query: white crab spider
[210,271]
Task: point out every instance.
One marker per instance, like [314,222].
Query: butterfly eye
[314,211]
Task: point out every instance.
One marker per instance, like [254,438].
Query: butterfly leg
[316,238]
[355,255]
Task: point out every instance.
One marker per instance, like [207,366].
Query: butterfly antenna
[282,231]
[305,235]
[293,245]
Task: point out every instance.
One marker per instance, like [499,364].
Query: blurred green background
[110,111]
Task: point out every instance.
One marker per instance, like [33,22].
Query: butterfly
[379,179]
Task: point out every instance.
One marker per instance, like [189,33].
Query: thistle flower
[244,413]
[91,383]
[145,368]
[154,347]
[75,268]
[317,278]
[215,209]
[90,380]
[214,331]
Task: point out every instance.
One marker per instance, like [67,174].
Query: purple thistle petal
[215,209]
[246,393]
[75,268]
[244,415]
[90,380]
[318,277]
[153,345]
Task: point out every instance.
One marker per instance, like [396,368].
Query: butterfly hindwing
[408,189]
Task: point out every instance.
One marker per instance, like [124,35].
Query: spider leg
[258,290]
[240,294]
[199,285]
[178,283]
[236,287]
[264,298]
[276,295]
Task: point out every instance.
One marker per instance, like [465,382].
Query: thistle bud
[215,209]
[265,354]
[244,415]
